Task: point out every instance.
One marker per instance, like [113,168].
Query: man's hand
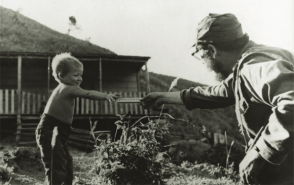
[152,100]
[251,166]
[112,97]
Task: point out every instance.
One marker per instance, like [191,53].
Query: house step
[28,124]
[7,131]
[27,143]
[27,129]
[25,134]
[31,117]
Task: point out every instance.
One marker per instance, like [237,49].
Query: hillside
[22,34]
[215,121]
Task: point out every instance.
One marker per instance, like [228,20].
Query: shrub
[134,159]
[5,170]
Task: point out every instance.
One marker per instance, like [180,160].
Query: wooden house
[26,81]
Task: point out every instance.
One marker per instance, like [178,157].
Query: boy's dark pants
[62,168]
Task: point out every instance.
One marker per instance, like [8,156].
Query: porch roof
[81,56]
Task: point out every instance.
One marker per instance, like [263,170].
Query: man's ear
[212,49]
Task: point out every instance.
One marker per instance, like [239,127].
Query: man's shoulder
[259,59]
[262,53]
[264,66]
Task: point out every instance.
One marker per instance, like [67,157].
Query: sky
[164,30]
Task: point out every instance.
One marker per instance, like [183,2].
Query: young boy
[58,112]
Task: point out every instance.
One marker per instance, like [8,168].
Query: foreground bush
[134,159]
[133,163]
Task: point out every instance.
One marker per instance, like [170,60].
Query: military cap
[216,28]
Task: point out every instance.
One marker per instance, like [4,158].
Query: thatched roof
[19,33]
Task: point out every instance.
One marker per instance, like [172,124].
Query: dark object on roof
[22,34]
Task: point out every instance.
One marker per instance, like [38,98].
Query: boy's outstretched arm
[92,94]
[156,99]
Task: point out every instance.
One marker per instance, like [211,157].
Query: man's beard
[216,66]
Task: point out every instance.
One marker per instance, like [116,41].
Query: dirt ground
[31,172]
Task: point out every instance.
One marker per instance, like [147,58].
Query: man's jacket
[262,89]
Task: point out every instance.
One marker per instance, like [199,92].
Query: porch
[26,82]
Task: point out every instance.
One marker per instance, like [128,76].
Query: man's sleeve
[274,83]
[211,97]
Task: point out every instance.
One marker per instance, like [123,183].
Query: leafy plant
[135,158]
[6,171]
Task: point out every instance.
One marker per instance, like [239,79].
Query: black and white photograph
[146,92]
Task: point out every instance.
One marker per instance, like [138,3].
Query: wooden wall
[34,75]
[8,73]
[119,76]
[90,75]
[115,76]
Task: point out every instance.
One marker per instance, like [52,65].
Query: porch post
[147,83]
[100,75]
[48,78]
[138,82]
[147,78]
[19,99]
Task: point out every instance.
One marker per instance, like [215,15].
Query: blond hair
[63,63]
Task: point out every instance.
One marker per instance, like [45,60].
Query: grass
[185,173]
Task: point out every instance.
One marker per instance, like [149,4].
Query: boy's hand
[152,100]
[112,97]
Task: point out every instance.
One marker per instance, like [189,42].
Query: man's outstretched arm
[156,99]
[210,97]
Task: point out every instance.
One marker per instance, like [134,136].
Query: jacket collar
[248,48]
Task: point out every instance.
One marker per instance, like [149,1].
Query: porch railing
[8,101]
[31,103]
[86,106]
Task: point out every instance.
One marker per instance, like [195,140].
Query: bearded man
[259,81]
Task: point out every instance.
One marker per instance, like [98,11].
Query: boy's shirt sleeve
[210,97]
[273,82]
